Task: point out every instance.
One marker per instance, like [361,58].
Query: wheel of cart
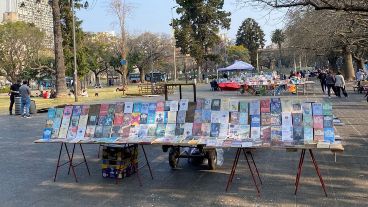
[196,154]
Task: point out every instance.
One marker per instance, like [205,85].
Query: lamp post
[172,24]
[75,77]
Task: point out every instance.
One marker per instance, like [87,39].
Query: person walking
[340,85]
[359,76]
[25,94]
[330,83]
[322,80]
[14,92]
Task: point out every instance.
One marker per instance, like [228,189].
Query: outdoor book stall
[213,123]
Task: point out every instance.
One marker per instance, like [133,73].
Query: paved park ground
[27,169]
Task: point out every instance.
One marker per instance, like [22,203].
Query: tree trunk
[97,79]
[61,89]
[348,66]
[360,63]
[141,74]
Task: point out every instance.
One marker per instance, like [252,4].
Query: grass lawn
[104,94]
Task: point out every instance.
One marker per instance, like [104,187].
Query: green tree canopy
[278,37]
[251,36]
[237,52]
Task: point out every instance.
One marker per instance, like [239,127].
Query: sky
[155,16]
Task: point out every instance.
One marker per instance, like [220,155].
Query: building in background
[37,12]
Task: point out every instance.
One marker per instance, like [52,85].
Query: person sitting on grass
[84,93]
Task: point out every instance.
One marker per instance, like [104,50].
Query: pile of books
[213,122]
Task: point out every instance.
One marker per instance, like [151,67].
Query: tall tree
[20,44]
[237,52]
[197,28]
[278,37]
[58,48]
[251,36]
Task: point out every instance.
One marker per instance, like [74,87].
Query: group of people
[330,81]
[24,92]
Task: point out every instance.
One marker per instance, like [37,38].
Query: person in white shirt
[359,76]
[340,85]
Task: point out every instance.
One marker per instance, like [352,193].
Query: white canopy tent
[237,65]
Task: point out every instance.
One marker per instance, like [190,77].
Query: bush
[5,89]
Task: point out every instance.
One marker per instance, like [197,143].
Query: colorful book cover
[83,119]
[49,123]
[243,118]
[197,116]
[143,119]
[128,107]
[224,130]
[106,131]
[92,120]
[225,104]
[308,120]
[207,104]
[68,110]
[297,106]
[160,106]
[254,107]
[183,104]
[215,129]
[160,117]
[127,119]
[275,106]
[297,119]
[118,119]
[234,117]
[308,134]
[174,106]
[137,107]
[56,123]
[265,106]
[74,121]
[188,130]
[265,119]
[125,131]
[77,110]
[72,132]
[135,119]
[142,132]
[317,109]
[133,133]
[307,108]
[329,135]
[197,129]
[55,133]
[171,117]
[180,119]
[51,113]
[179,129]
[151,117]
[244,132]
[104,108]
[109,120]
[94,110]
[233,131]
[111,110]
[101,120]
[115,131]
[255,121]
[85,110]
[90,131]
[276,120]
[80,133]
[206,129]
[167,105]
[266,134]
[47,133]
[119,107]
[287,120]
[276,135]
[298,134]
[59,113]
[63,132]
[327,108]
[199,104]
[328,121]
[65,122]
[145,108]
[170,130]
[243,106]
[216,117]
[318,135]
[160,130]
[234,105]
[318,122]
[216,105]
[152,107]
[286,105]
[255,133]
[151,131]
[287,134]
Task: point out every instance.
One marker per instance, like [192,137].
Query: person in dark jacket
[14,92]
[330,82]
[322,80]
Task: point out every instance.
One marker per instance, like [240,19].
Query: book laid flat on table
[276,135]
[265,106]
[128,107]
[308,134]
[174,106]
[104,108]
[318,122]
[243,107]
[265,119]
[206,129]
[255,121]
[286,105]
[296,106]
[275,119]
[254,107]
[275,106]
[234,105]
[215,129]
[137,107]
[145,108]
[206,116]
[297,119]
[328,121]
[143,119]
[318,135]
[243,118]
[317,109]
[160,106]
[329,135]
[327,108]
[216,105]
[183,105]
[180,118]
[207,104]
[234,117]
